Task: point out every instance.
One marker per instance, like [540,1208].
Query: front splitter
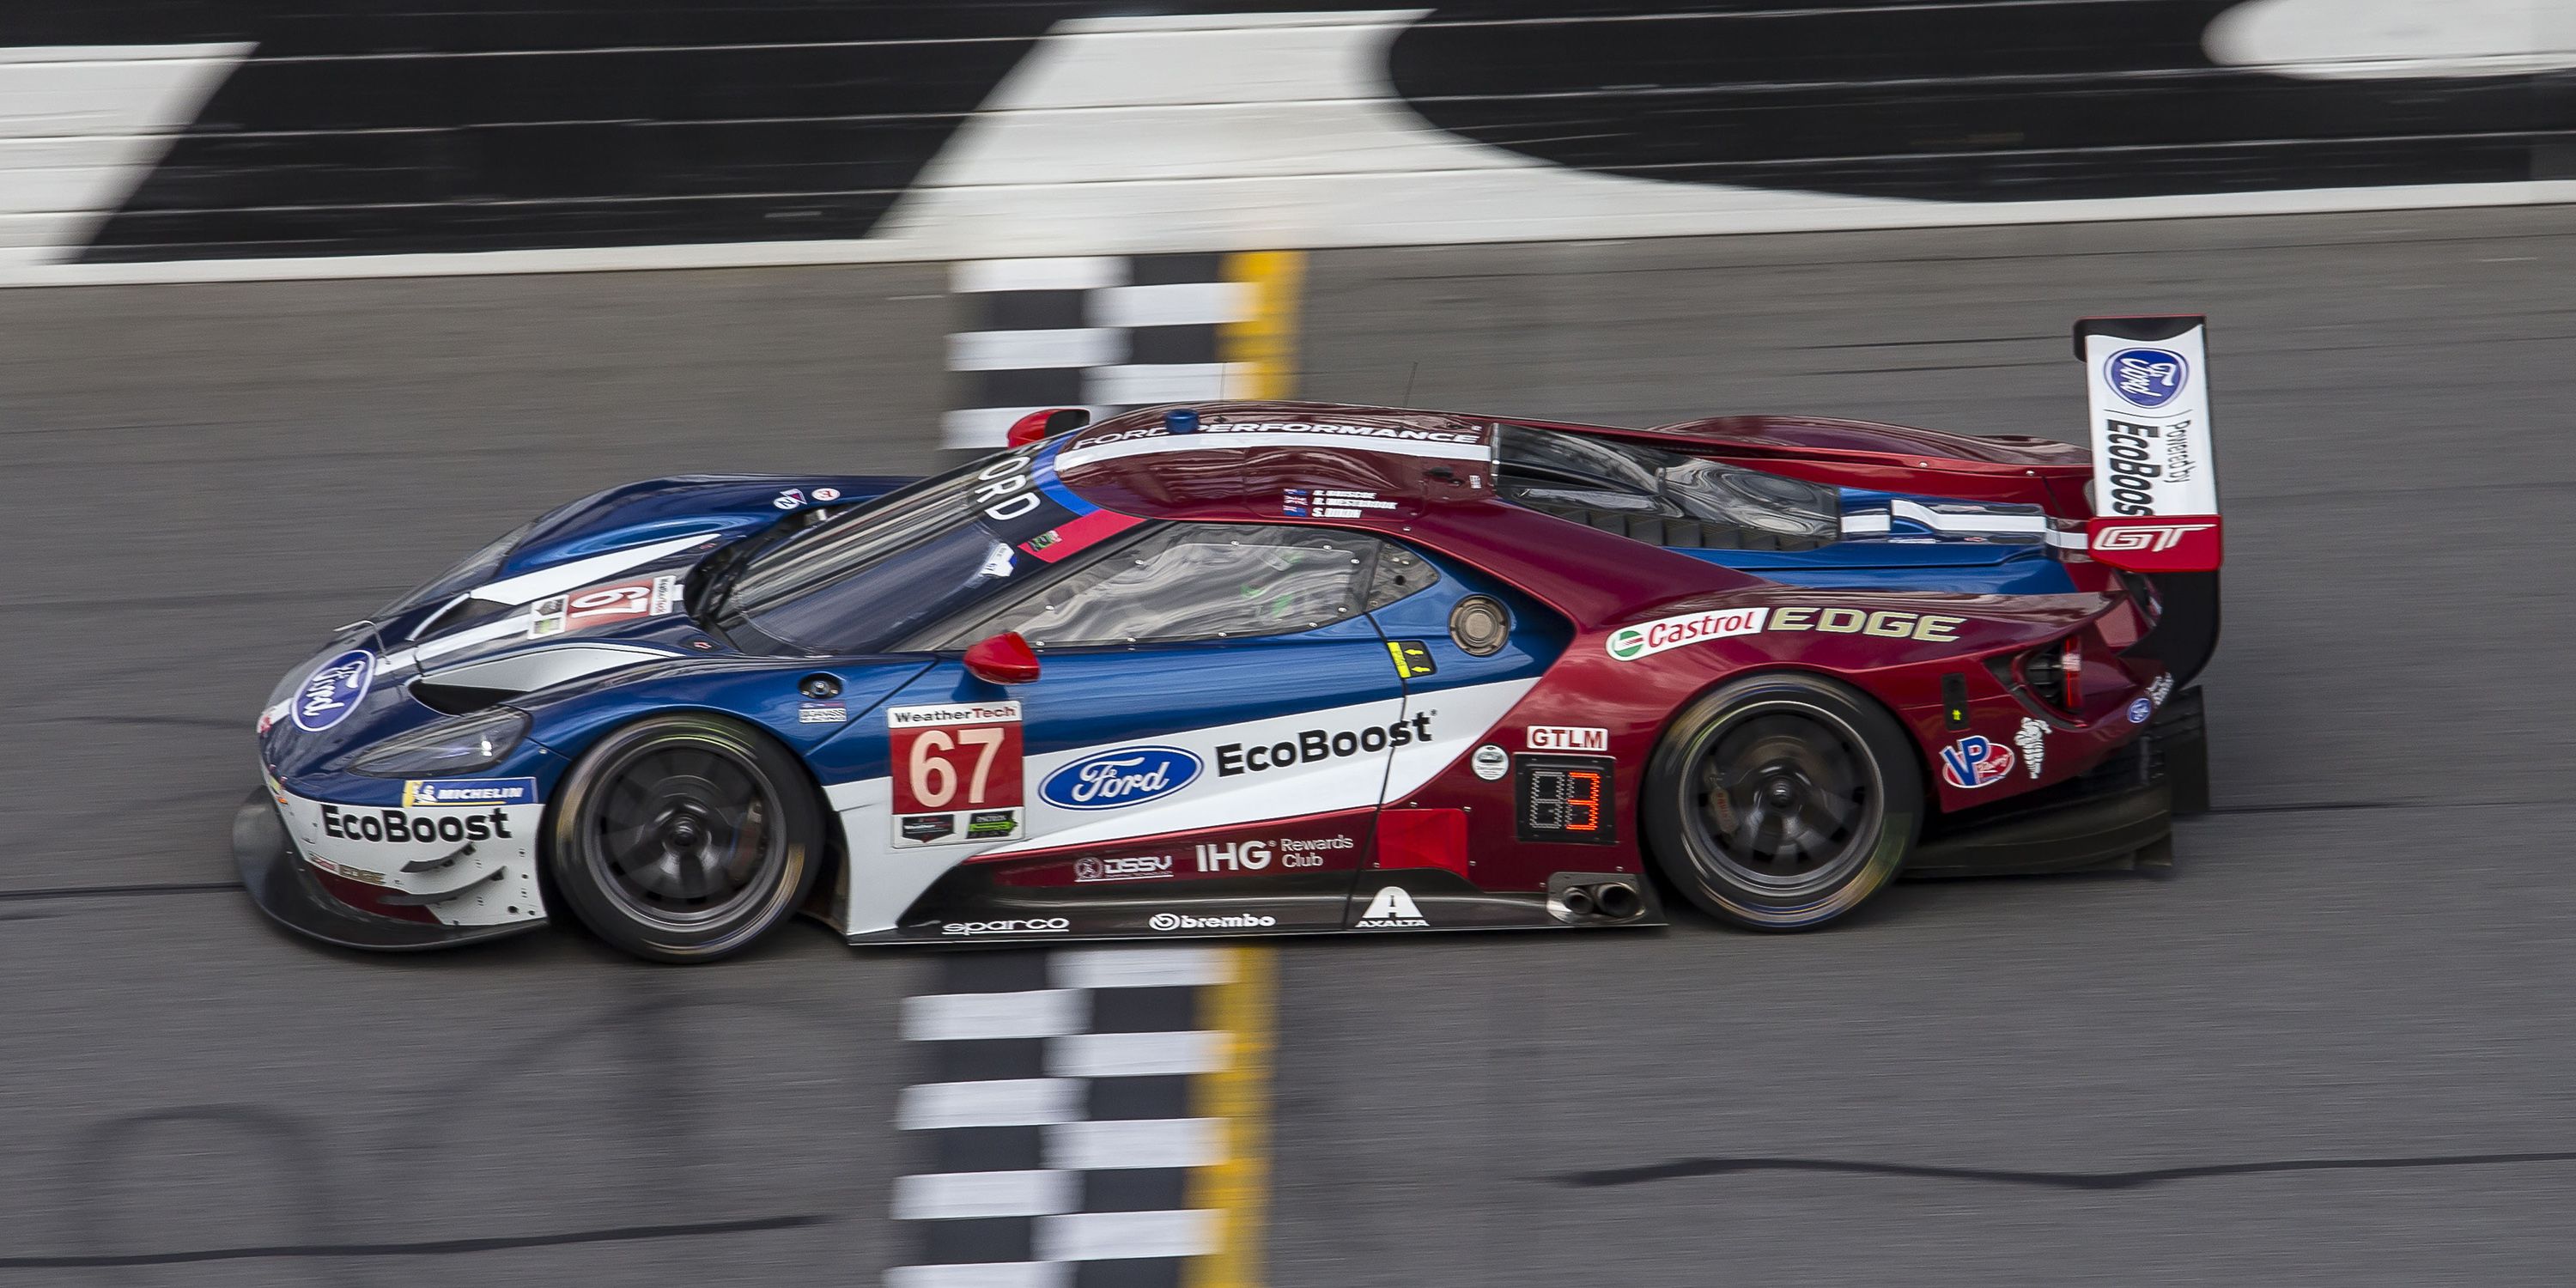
[281,885]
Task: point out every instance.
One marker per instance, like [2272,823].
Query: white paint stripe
[1162,382]
[1036,350]
[1867,521]
[1103,1236]
[1009,1102]
[962,1017]
[1206,442]
[531,586]
[984,1274]
[1059,273]
[989,426]
[1135,1055]
[1135,1142]
[1157,967]
[1173,304]
[952,1196]
[2065,539]
[1947,521]
[515,624]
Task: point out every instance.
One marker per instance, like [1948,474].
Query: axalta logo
[2147,378]
[332,691]
[2147,536]
[1628,643]
[1228,921]
[394,826]
[1392,909]
[1312,745]
[1009,926]
[1127,776]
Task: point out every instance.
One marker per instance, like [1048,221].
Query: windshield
[857,584]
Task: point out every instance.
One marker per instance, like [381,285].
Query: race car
[1261,668]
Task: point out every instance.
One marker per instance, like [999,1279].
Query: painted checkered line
[1055,1141]
[1104,332]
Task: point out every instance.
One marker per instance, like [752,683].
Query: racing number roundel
[957,772]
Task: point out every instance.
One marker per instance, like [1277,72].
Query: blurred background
[304,300]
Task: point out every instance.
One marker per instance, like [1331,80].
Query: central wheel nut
[1782,791]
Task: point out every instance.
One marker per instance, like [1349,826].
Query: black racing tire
[1781,801]
[685,838]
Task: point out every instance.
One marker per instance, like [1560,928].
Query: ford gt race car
[1256,668]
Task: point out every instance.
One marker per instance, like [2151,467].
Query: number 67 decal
[957,772]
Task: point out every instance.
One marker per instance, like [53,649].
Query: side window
[1399,572]
[1191,581]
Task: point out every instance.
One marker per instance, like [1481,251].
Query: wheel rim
[1784,800]
[686,834]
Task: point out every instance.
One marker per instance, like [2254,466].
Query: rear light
[2054,673]
[2071,663]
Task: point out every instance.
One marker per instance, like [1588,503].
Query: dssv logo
[1127,776]
[2147,378]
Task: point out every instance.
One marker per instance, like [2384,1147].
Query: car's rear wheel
[684,838]
[1782,801]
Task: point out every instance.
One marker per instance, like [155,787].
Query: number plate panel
[958,775]
[1564,799]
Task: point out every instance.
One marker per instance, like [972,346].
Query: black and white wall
[160,139]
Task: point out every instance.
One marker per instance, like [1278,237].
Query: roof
[1279,460]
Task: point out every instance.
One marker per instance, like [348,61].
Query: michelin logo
[420,792]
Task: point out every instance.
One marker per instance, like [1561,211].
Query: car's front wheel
[1782,801]
[684,838]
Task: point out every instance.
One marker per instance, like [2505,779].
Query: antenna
[1407,399]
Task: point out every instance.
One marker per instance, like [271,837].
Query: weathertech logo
[1392,909]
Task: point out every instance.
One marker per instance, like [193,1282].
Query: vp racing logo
[2146,378]
[1127,776]
[333,690]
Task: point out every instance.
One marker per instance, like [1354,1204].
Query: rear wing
[2155,477]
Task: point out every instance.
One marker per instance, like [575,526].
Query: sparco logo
[2147,378]
[1628,643]
[394,825]
[2146,536]
[1127,776]
[1230,921]
[1009,926]
[2132,464]
[1312,745]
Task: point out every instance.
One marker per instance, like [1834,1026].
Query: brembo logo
[1229,921]
[2146,536]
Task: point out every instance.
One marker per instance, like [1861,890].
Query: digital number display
[1564,798]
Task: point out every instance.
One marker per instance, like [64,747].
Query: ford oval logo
[1127,776]
[329,694]
[2146,378]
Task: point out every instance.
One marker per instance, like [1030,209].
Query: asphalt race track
[2332,1046]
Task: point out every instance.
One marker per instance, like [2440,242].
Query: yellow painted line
[1238,1189]
[1261,351]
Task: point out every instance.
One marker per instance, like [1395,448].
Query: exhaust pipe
[1616,900]
[1577,901]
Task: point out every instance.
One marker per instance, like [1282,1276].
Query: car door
[1203,750]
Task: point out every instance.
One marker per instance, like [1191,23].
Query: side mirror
[1002,659]
[1045,424]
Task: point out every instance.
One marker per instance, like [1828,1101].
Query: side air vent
[458,699]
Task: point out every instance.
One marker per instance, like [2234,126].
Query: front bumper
[285,888]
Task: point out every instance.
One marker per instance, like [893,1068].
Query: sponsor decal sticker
[951,758]
[1885,623]
[649,597]
[470,791]
[1313,745]
[393,826]
[789,499]
[2161,689]
[1119,778]
[1392,909]
[2033,741]
[1133,867]
[1009,926]
[1975,761]
[1645,639]
[1490,762]
[1230,856]
[1224,921]
[2145,378]
[825,495]
[822,713]
[332,691]
[1564,738]
[2141,709]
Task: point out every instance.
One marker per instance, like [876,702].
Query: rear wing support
[2155,474]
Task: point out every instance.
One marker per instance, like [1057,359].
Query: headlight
[465,743]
